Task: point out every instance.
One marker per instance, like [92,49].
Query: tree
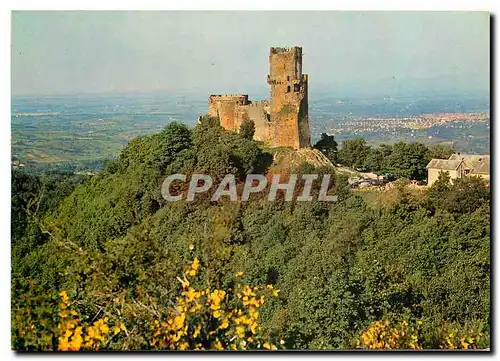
[376,159]
[247,129]
[440,190]
[328,146]
[220,152]
[354,152]
[466,195]
[408,160]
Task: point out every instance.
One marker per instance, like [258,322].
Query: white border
[8,5]
[480,5]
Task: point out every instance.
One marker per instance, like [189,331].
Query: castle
[281,121]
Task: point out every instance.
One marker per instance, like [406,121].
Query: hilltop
[287,158]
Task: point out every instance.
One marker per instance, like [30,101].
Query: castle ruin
[281,121]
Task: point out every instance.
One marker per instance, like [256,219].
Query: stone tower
[289,105]
[281,121]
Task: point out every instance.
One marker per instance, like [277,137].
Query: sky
[383,53]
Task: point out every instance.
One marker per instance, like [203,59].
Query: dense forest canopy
[99,257]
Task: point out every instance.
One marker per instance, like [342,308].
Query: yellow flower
[240,331]
[190,294]
[267,346]
[64,296]
[196,331]
[239,274]
[217,314]
[247,291]
[104,329]
[178,321]
[196,264]
[253,328]
[224,324]
[177,337]
[218,345]
[63,345]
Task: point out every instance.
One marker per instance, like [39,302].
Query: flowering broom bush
[47,323]
[213,319]
[384,335]
[202,319]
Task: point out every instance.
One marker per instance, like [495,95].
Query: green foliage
[328,146]
[34,317]
[466,195]
[219,152]
[440,151]
[157,150]
[408,160]
[117,246]
[34,198]
[376,161]
[401,160]
[247,129]
[354,152]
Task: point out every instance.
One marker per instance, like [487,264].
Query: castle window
[288,89]
[288,77]
[296,87]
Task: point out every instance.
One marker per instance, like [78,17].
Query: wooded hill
[103,262]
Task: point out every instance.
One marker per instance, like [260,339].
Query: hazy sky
[226,52]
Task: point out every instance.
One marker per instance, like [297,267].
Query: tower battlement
[228,97]
[276,50]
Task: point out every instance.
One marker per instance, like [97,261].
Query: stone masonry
[281,121]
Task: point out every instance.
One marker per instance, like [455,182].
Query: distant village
[359,125]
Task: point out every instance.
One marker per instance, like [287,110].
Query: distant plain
[77,132]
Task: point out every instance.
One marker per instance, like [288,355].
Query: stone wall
[224,107]
[258,112]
